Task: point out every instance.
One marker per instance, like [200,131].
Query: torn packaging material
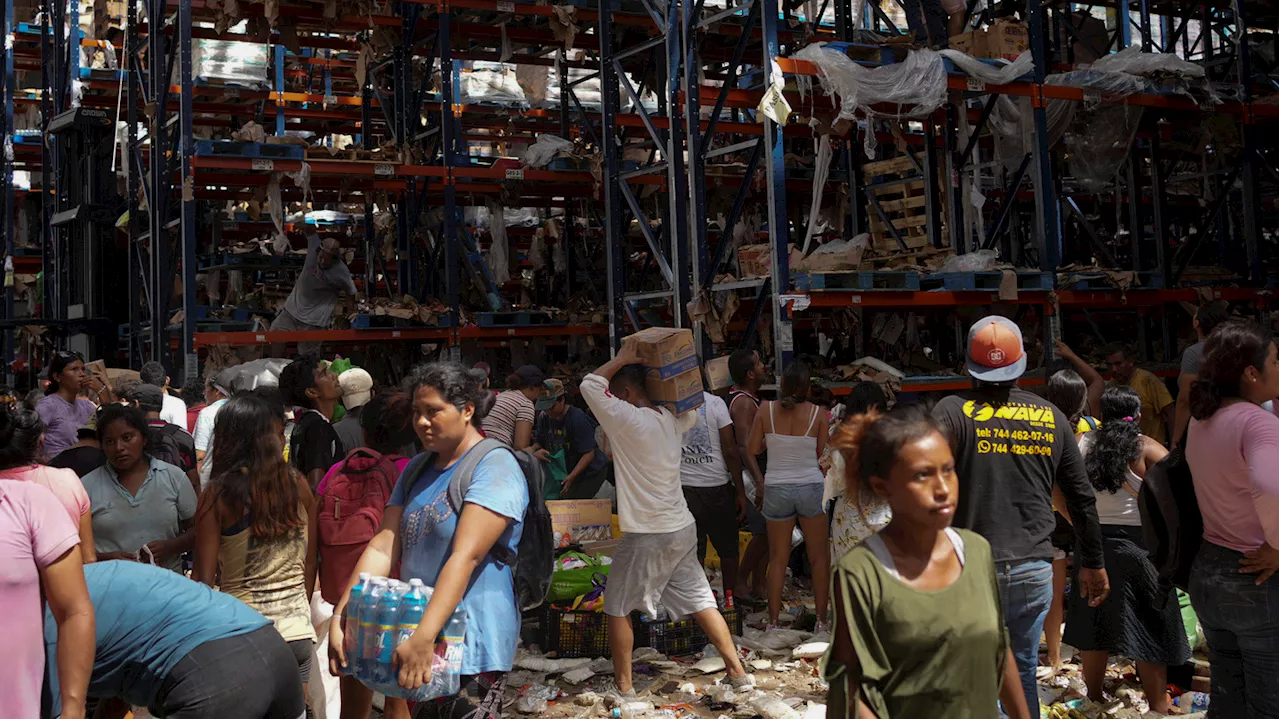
[718,374]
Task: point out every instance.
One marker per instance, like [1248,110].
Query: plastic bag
[977,261]
[544,149]
[553,474]
[571,584]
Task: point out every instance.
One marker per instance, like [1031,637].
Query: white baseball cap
[357,387]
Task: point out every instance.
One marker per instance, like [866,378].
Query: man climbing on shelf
[310,304]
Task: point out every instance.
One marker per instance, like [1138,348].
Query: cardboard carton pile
[1005,39]
[674,378]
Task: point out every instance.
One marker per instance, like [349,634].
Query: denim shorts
[788,501]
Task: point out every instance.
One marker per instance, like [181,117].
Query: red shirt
[192,413]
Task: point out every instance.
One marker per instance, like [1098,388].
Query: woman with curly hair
[252,523]
[1137,619]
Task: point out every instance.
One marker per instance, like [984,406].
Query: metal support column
[450,130]
[615,243]
[7,224]
[1047,228]
[775,179]
[187,233]
[1251,200]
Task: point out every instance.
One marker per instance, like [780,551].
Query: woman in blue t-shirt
[449,551]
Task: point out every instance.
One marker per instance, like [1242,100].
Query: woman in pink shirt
[38,556]
[1232,451]
[21,435]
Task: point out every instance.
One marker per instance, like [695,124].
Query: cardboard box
[718,376]
[680,393]
[754,261]
[666,350]
[580,520]
[1005,39]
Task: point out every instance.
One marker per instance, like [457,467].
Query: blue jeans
[1239,622]
[1026,591]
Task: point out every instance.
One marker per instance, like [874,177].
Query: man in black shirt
[314,447]
[561,427]
[86,454]
[1011,448]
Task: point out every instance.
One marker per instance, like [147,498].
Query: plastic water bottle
[368,631]
[412,606]
[386,622]
[351,622]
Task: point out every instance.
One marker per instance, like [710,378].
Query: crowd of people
[172,552]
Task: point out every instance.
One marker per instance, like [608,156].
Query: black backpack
[534,559]
[165,445]
[1172,527]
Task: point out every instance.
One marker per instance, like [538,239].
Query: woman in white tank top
[795,433]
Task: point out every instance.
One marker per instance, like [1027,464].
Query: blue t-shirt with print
[426,540]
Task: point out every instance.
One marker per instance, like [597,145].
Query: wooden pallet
[899,190]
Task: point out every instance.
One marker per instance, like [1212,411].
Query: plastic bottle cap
[364,576]
[416,583]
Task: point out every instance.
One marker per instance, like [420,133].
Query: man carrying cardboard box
[656,559]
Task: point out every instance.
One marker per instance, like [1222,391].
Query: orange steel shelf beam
[388,334]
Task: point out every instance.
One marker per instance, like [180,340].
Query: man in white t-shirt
[656,559]
[216,391]
[709,462]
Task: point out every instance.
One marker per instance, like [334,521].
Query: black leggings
[251,676]
[302,653]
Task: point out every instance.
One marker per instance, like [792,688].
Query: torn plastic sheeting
[546,148]
[917,85]
[1136,62]
[230,61]
[302,179]
[536,663]
[498,257]
[977,261]
[821,168]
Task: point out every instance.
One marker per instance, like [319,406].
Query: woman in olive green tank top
[918,630]
[252,540]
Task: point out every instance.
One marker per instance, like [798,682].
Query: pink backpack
[350,512]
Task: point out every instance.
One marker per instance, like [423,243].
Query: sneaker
[746,681]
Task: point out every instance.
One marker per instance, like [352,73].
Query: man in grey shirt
[1206,319]
[310,304]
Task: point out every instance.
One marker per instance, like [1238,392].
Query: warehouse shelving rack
[671,48]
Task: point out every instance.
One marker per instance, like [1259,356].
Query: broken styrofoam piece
[710,665]
[772,707]
[536,663]
[814,710]
[810,650]
[760,665]
[579,675]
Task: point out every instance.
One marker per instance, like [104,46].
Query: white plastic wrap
[821,168]
[491,82]
[546,148]
[917,85]
[1136,62]
[230,61]
[498,257]
[977,261]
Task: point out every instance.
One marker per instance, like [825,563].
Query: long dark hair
[870,442]
[57,366]
[1117,443]
[249,470]
[387,422]
[793,385]
[1067,391]
[454,384]
[1233,347]
[20,432]
[863,397]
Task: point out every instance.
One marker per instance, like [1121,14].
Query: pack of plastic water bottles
[382,613]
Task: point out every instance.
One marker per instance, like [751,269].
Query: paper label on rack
[775,106]
[1092,97]
[506,7]
[515,174]
[331,99]
[261,164]
[786,340]
[975,84]
[799,303]
[383,168]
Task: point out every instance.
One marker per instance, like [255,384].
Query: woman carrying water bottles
[252,522]
[450,551]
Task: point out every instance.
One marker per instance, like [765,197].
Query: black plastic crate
[681,637]
[571,634]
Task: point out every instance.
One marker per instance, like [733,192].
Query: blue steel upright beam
[137,286]
[615,243]
[161,179]
[1250,200]
[450,135]
[677,229]
[775,179]
[187,233]
[1047,229]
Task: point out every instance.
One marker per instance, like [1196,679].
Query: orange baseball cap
[995,350]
